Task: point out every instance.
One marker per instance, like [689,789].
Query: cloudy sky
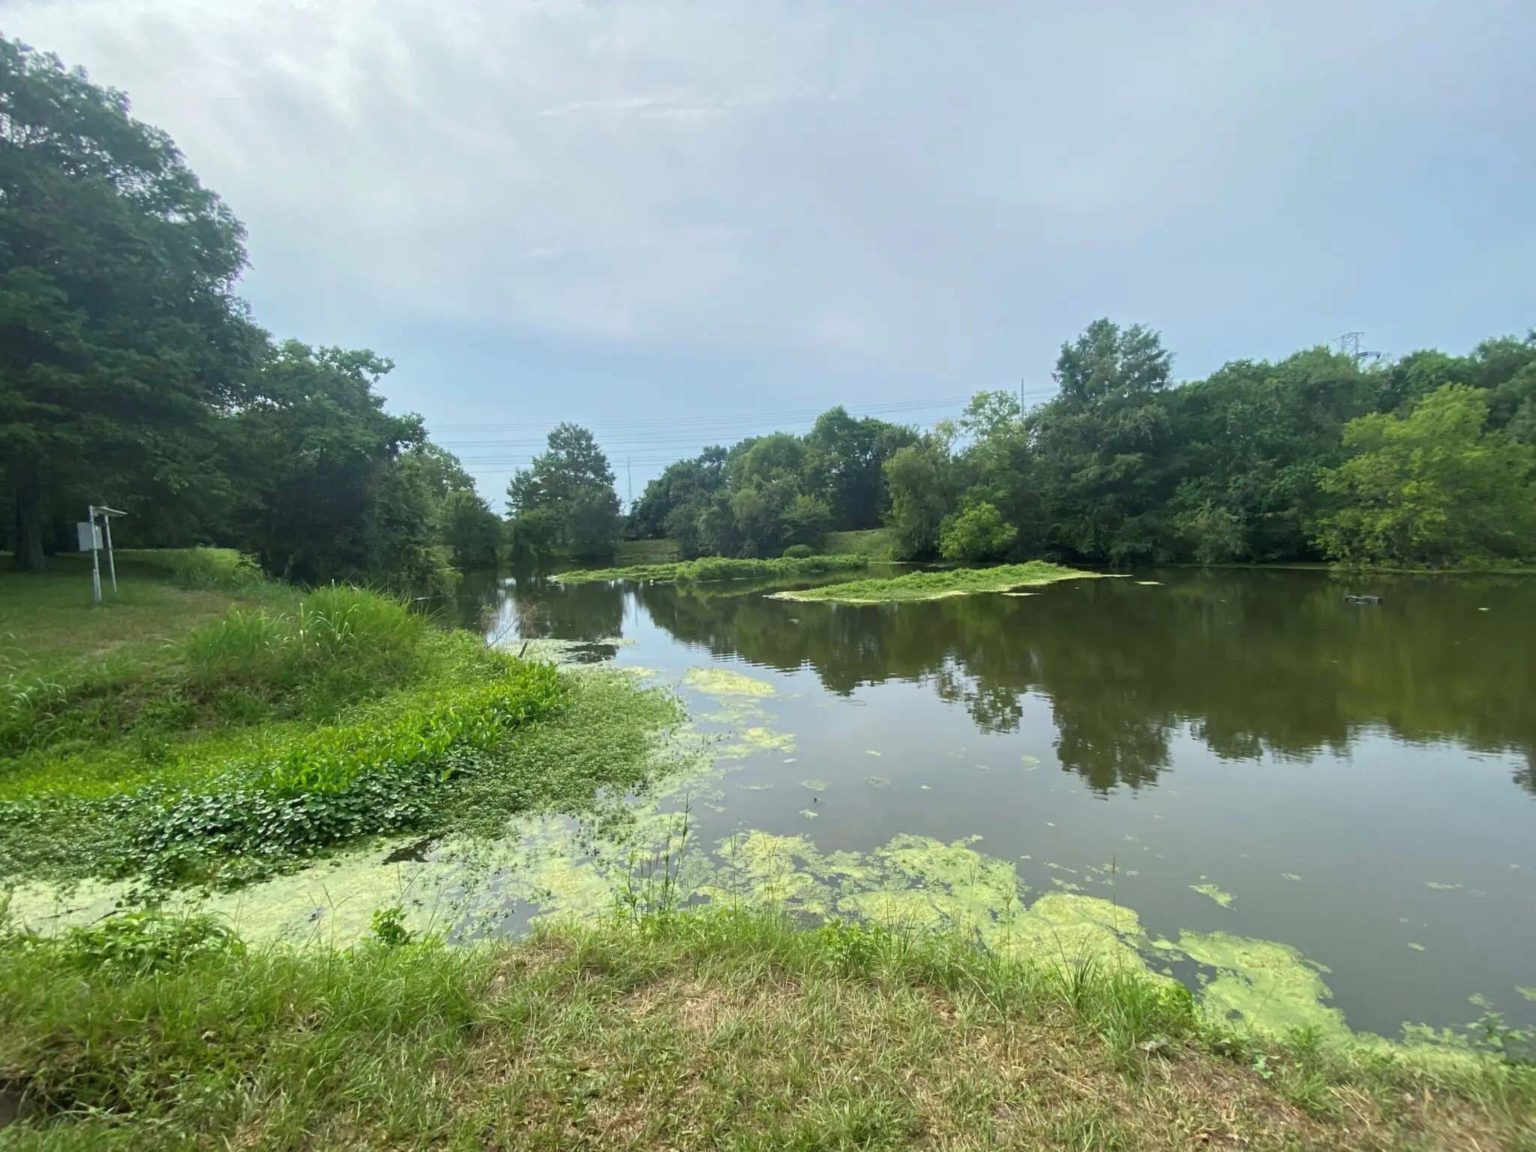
[679,222]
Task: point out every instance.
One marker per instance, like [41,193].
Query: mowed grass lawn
[47,618]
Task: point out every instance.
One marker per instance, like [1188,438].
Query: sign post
[95,557]
[91,536]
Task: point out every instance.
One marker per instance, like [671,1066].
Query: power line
[679,434]
[753,414]
[726,421]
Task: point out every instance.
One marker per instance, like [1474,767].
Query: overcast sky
[679,222]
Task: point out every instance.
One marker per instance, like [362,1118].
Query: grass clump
[676,1030]
[714,568]
[938,585]
[223,568]
[282,728]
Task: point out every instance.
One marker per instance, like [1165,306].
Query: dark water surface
[1359,779]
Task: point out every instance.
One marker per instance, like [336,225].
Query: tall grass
[336,645]
[693,1030]
[222,568]
[269,735]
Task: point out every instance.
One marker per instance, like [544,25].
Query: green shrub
[799,552]
[976,534]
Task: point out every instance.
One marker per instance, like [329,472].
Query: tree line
[1426,460]
[131,373]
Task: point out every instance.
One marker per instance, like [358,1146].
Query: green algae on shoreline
[939,585]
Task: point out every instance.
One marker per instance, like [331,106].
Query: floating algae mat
[725,683]
[552,866]
[917,586]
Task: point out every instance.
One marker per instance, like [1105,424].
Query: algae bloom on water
[723,682]
[939,585]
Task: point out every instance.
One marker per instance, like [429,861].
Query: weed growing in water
[937,585]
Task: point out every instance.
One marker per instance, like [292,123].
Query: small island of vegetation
[938,585]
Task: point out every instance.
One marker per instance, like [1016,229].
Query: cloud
[844,194]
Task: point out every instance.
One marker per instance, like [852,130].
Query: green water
[1238,752]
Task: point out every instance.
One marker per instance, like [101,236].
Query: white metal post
[111,561]
[95,560]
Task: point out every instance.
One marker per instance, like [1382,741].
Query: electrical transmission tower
[1349,345]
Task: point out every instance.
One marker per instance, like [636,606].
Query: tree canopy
[1422,460]
[769,493]
[132,375]
[565,503]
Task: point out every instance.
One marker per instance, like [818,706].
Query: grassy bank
[876,543]
[714,568]
[47,619]
[287,726]
[705,1030]
[937,585]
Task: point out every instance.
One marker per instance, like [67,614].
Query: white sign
[90,535]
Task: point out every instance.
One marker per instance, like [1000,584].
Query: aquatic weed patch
[938,585]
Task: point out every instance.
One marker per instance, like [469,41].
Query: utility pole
[629,480]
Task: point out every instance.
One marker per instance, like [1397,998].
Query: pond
[1228,753]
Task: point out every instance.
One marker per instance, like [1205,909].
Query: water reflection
[528,607]
[1370,824]
[1255,663]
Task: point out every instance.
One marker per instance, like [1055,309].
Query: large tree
[919,478]
[1432,486]
[323,490]
[121,339]
[1102,444]
[565,502]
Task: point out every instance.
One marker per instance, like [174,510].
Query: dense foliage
[1427,460]
[132,376]
[771,493]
